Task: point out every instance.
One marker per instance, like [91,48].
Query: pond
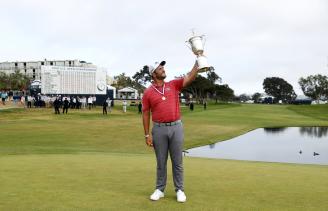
[306,145]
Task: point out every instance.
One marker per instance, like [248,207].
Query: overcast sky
[247,40]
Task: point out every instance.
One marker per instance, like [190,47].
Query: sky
[246,40]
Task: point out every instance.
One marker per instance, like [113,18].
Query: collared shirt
[164,107]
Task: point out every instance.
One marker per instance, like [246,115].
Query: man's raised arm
[190,76]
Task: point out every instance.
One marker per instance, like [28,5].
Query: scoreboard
[73,80]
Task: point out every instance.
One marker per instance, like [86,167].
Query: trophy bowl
[196,45]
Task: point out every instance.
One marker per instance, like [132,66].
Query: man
[3,97]
[57,105]
[29,101]
[162,100]
[109,103]
[191,106]
[139,107]
[90,102]
[66,105]
[84,102]
[94,100]
[124,106]
[105,104]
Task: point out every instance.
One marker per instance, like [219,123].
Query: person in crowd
[4,96]
[10,95]
[29,101]
[90,102]
[94,100]
[78,102]
[22,101]
[65,105]
[139,107]
[26,101]
[84,102]
[38,101]
[124,106]
[45,101]
[56,105]
[70,102]
[15,99]
[109,103]
[105,104]
[191,106]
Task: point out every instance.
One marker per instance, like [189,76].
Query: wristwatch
[146,136]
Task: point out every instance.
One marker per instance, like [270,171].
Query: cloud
[247,40]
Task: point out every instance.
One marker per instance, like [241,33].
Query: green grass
[87,161]
[39,131]
[124,182]
[317,111]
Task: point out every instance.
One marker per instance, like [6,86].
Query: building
[33,68]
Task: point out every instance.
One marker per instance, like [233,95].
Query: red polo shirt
[167,110]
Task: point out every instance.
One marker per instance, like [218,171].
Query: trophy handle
[188,45]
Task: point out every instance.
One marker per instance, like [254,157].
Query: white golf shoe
[156,195]
[181,196]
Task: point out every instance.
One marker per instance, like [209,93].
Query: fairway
[87,161]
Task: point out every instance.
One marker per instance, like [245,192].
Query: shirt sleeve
[178,83]
[145,102]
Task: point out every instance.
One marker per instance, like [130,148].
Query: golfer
[161,99]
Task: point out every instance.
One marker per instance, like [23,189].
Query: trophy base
[203,69]
[202,64]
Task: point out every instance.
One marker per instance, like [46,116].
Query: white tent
[127,93]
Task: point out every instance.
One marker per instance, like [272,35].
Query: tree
[256,96]
[212,76]
[123,81]
[143,76]
[14,81]
[244,97]
[4,81]
[204,87]
[223,92]
[199,87]
[279,89]
[314,86]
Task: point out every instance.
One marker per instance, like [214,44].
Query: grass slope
[39,131]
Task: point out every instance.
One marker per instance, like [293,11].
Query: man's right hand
[149,141]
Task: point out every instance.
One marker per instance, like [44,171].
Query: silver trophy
[196,44]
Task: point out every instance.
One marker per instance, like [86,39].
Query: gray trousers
[168,139]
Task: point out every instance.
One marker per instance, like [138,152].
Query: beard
[160,77]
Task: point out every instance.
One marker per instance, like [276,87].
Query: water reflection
[274,129]
[289,144]
[310,131]
[212,146]
[314,131]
